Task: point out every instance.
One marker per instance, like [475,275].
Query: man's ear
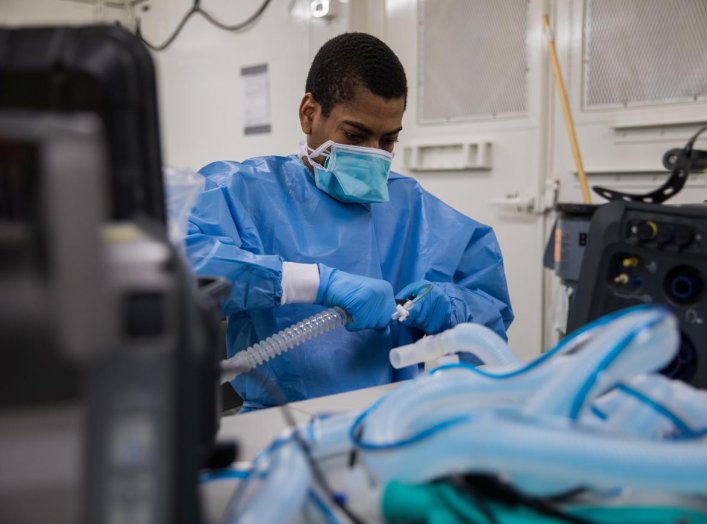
[308,110]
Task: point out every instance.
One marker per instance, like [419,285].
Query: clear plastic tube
[549,458]
[285,471]
[652,436]
[535,442]
[288,476]
[547,389]
[652,406]
[470,338]
[282,341]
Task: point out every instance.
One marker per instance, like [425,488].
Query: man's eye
[353,137]
[388,143]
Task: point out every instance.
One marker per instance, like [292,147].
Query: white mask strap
[314,153]
[307,152]
[303,151]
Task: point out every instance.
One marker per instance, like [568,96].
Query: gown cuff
[300,283]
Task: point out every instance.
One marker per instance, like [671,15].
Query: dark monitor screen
[18,169]
[101,69]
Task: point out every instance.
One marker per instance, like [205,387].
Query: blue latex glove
[369,301]
[434,312]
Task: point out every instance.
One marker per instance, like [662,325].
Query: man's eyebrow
[366,130]
[359,126]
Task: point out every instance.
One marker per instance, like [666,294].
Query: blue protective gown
[253,215]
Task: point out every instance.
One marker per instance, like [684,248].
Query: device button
[630,262]
[665,233]
[684,236]
[647,230]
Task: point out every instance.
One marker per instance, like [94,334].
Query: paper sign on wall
[256,100]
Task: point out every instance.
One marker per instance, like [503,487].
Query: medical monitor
[99,69]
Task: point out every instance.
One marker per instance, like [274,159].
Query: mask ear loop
[303,151]
[314,153]
[311,154]
[307,152]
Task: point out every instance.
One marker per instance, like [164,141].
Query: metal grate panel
[472,59]
[639,52]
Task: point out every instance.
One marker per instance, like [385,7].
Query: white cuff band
[300,283]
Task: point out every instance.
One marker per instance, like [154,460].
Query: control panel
[649,254]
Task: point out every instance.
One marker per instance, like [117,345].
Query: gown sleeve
[478,292]
[222,240]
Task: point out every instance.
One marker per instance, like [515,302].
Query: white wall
[44,12]
[199,76]
[615,156]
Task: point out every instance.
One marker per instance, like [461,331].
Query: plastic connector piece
[479,340]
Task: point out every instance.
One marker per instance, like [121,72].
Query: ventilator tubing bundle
[282,341]
[590,413]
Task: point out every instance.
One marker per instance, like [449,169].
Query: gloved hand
[369,301]
[433,313]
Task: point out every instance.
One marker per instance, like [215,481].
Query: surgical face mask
[351,173]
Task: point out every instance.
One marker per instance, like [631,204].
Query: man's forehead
[370,111]
[385,128]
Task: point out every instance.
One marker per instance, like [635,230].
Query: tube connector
[402,311]
[477,339]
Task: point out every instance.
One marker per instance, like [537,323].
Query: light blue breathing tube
[652,406]
[280,483]
[533,388]
[587,413]
[287,475]
[534,435]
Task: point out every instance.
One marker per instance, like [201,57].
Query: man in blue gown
[333,226]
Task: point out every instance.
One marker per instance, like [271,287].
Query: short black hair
[350,60]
